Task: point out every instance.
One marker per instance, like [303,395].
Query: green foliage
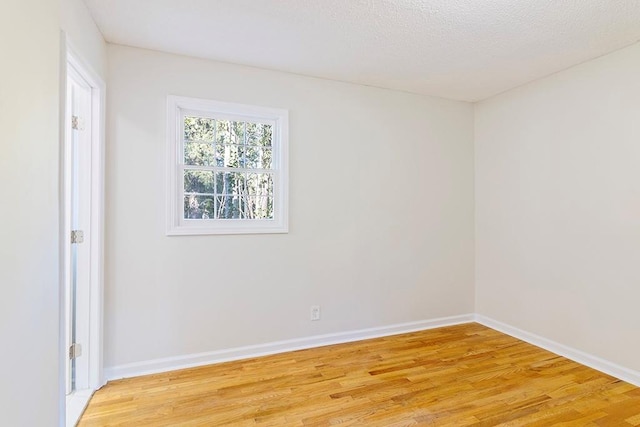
[198,129]
[219,156]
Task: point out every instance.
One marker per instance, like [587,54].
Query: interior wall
[558,207]
[83,35]
[29,148]
[381,214]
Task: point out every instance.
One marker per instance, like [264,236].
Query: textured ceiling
[459,49]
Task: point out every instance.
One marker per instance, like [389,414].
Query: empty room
[320,212]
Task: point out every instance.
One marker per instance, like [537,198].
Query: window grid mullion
[244,144]
[227,169]
[215,175]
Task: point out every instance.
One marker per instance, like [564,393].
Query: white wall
[29,81]
[558,207]
[83,35]
[381,214]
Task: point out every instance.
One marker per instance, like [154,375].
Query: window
[227,168]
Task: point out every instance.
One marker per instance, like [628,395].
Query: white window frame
[178,107]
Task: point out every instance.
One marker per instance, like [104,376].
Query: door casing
[92,311]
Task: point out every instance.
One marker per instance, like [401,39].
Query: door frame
[70,58]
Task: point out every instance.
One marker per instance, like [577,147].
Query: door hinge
[77,236]
[75,351]
[77,123]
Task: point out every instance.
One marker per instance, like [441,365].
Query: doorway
[82,234]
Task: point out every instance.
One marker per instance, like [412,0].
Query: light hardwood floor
[466,375]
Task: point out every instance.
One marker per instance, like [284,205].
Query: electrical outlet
[315,312]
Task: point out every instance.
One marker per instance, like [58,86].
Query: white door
[78,248]
[82,233]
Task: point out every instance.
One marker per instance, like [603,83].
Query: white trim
[176,225]
[98,111]
[226,355]
[76,403]
[238,353]
[62,321]
[72,406]
[602,365]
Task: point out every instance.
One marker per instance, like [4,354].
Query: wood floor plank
[464,375]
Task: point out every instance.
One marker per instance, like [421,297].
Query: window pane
[267,156]
[258,158]
[228,155]
[198,153]
[199,207]
[253,158]
[199,129]
[267,135]
[230,183]
[242,156]
[259,134]
[223,132]
[196,181]
[259,184]
[259,207]
[252,133]
[230,207]
[237,132]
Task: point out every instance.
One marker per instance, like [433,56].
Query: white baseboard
[246,352]
[76,402]
[620,372]
[238,353]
